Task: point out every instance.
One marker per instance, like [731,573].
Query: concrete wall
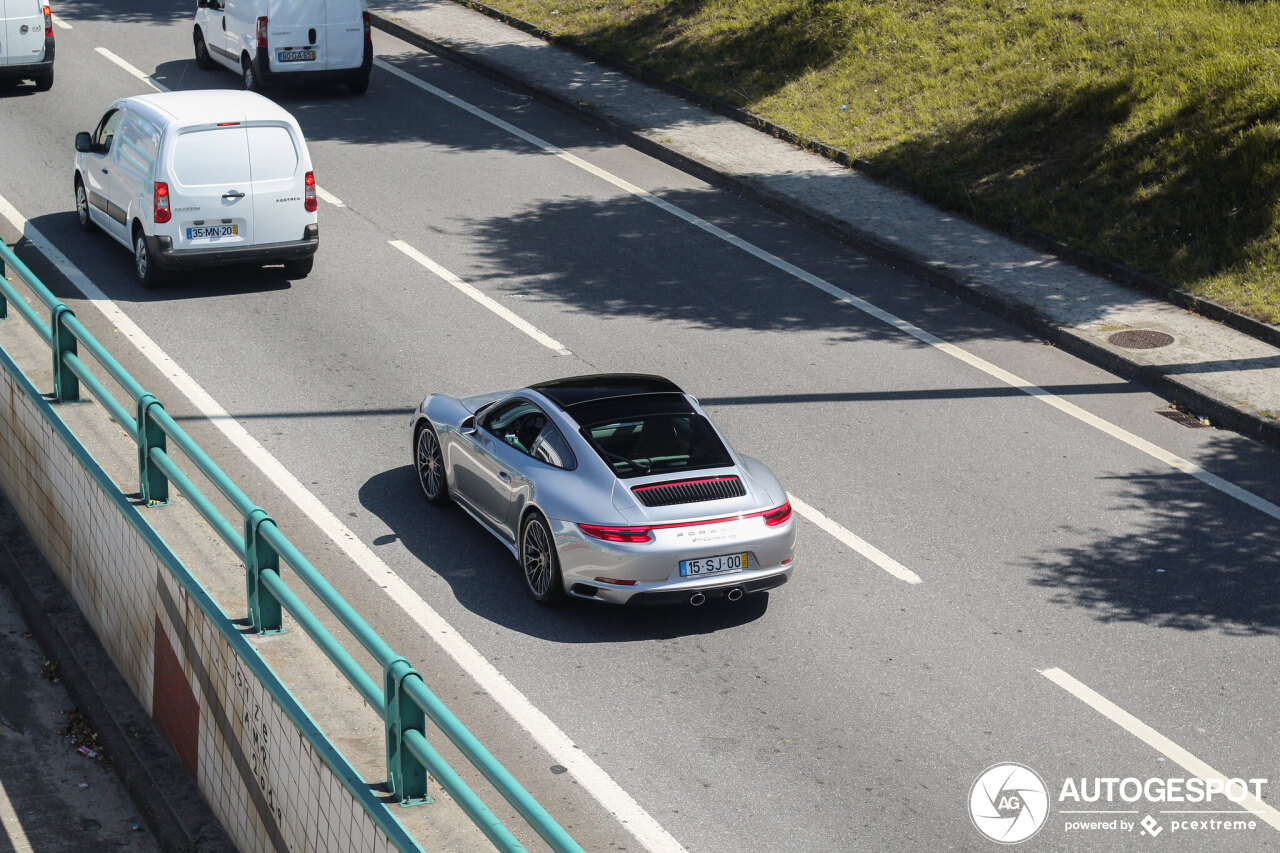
[270,776]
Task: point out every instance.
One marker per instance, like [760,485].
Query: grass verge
[1146,132]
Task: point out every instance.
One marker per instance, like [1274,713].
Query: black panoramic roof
[603,386]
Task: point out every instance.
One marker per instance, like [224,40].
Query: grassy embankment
[1144,131]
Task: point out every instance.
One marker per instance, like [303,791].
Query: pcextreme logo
[1008,803]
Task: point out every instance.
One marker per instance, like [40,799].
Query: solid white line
[496,307]
[855,542]
[1154,739]
[1212,480]
[11,825]
[546,733]
[328,197]
[159,87]
[58,22]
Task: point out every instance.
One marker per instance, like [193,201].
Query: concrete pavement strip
[1215,371]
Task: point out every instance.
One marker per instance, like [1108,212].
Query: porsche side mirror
[83,142]
[468,425]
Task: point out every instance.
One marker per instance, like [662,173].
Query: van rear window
[212,157]
[272,154]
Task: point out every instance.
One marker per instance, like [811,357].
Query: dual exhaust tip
[698,598]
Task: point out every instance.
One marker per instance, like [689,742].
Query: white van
[269,42]
[198,178]
[26,42]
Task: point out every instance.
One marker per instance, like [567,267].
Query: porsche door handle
[504,476]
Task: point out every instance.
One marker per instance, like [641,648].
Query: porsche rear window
[657,444]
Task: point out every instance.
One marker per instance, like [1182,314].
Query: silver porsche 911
[614,487]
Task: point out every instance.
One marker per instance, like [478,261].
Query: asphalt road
[849,710]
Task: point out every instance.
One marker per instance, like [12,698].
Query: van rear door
[278,163]
[344,34]
[212,193]
[22,40]
[295,35]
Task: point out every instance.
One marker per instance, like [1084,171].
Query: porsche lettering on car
[611,487]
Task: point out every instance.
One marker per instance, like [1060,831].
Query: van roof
[212,105]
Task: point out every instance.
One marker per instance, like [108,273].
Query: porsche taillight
[618,534]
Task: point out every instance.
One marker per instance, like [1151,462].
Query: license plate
[199,231]
[721,565]
[295,55]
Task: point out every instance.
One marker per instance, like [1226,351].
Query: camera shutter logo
[1008,803]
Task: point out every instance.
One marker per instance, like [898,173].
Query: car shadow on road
[486,580]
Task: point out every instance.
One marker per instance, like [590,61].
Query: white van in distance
[270,42]
[199,178]
[26,42]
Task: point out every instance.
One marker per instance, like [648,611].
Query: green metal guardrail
[403,700]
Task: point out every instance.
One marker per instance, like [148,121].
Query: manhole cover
[1185,418]
[1140,339]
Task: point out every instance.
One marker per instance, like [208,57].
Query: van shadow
[486,580]
[110,266]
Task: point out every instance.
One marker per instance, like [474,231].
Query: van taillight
[309,196]
[262,33]
[48,23]
[161,212]
[368,30]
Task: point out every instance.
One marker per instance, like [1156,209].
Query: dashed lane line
[855,542]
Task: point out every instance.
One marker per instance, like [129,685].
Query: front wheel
[149,275]
[203,59]
[430,464]
[539,561]
[82,207]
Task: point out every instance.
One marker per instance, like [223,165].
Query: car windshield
[657,444]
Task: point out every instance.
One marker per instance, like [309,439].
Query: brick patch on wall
[173,704]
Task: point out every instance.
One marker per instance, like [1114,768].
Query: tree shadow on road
[1196,561]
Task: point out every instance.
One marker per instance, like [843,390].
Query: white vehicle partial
[199,178]
[273,42]
[26,43]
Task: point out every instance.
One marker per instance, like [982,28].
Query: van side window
[137,142]
[106,131]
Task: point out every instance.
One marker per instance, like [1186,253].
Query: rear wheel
[359,85]
[82,207]
[430,464]
[203,59]
[251,81]
[299,268]
[45,82]
[150,276]
[539,561]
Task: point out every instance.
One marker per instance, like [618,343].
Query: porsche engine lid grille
[689,491]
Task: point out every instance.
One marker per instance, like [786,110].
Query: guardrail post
[406,776]
[153,486]
[66,387]
[264,608]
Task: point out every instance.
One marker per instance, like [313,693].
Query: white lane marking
[1153,738]
[855,542]
[1186,467]
[11,824]
[540,727]
[159,87]
[58,22]
[496,307]
[328,197]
